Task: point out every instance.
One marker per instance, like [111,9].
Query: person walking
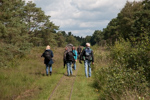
[69,60]
[75,57]
[88,57]
[48,55]
[79,50]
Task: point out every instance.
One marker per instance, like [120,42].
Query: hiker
[88,57]
[79,50]
[64,56]
[69,60]
[75,57]
[48,55]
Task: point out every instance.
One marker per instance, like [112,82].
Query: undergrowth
[127,71]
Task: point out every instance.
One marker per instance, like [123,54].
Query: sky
[81,17]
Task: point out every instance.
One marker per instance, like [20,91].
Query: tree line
[132,23]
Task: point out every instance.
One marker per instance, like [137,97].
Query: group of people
[70,58]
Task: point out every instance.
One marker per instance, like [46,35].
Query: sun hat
[88,44]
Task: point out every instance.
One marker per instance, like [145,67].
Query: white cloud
[81,17]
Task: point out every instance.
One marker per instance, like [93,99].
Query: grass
[28,80]
[83,87]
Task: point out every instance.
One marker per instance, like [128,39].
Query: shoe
[46,74]
[50,73]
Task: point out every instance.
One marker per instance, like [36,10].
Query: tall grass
[27,76]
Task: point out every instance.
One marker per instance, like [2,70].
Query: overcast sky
[81,17]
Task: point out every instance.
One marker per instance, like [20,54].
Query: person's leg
[89,66]
[50,69]
[70,68]
[47,69]
[68,71]
[86,65]
[74,65]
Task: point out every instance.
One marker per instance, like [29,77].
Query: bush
[129,71]
[123,54]
[9,53]
[113,81]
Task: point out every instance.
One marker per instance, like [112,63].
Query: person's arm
[76,55]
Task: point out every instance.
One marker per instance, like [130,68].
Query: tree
[97,37]
[126,19]
[61,40]
[142,23]
[12,31]
[63,33]
[69,33]
[34,17]
[71,39]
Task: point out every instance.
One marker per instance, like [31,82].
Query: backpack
[69,48]
[79,50]
[47,55]
[88,54]
[70,56]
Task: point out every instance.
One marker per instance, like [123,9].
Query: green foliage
[61,41]
[123,54]
[113,81]
[129,56]
[97,37]
[72,40]
[129,70]
[9,53]
[21,27]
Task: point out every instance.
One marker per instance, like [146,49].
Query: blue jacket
[76,55]
[46,61]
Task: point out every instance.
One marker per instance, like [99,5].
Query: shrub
[123,54]
[115,80]
[129,71]
[9,53]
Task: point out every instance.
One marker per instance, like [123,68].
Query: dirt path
[64,87]
[75,87]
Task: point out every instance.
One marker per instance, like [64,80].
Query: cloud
[81,17]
